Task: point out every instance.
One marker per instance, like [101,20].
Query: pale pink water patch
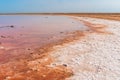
[32,31]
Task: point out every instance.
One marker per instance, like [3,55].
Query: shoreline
[66,60]
[40,57]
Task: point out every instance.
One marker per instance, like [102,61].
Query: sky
[57,6]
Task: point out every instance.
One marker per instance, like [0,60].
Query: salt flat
[95,56]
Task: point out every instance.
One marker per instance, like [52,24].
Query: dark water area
[21,32]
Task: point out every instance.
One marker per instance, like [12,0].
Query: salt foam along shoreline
[94,57]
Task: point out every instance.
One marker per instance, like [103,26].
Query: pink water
[32,31]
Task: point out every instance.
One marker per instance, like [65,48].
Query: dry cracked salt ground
[94,57]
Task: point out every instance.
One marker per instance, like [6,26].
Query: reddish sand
[34,70]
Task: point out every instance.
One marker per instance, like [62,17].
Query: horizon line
[64,13]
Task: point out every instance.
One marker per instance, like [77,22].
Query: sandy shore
[89,55]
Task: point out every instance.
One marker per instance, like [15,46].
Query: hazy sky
[12,6]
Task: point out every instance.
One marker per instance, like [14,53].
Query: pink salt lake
[32,31]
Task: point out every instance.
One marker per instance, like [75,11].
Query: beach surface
[92,54]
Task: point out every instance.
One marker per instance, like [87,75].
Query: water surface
[32,31]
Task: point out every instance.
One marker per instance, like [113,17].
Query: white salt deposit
[94,57]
